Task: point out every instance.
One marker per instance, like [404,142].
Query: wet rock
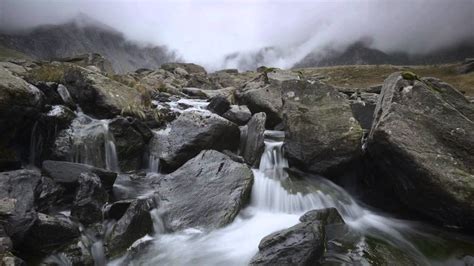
[49,90]
[325,216]
[253,141]
[67,173]
[76,253]
[8,259]
[49,233]
[49,195]
[17,198]
[302,244]
[221,185]
[59,116]
[89,199]
[131,137]
[192,132]
[239,114]
[218,105]
[117,209]
[421,141]
[321,134]
[134,224]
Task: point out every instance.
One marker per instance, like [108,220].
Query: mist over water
[237,33]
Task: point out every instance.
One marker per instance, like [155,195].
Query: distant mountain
[360,53]
[85,35]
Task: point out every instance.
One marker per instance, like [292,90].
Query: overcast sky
[204,31]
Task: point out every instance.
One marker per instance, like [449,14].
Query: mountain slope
[82,36]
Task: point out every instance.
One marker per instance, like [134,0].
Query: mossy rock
[408,75]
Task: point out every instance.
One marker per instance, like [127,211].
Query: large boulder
[17,202]
[221,185]
[321,134]
[131,137]
[89,199]
[134,224]
[97,94]
[190,68]
[363,107]
[252,139]
[192,132]
[67,173]
[49,233]
[218,105]
[20,106]
[422,141]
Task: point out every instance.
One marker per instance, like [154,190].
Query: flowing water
[277,201]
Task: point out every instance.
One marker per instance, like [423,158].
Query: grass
[365,76]
[6,53]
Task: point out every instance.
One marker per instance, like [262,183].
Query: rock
[117,209]
[131,137]
[49,233]
[74,253]
[302,244]
[89,199]
[201,81]
[50,93]
[321,135]
[8,259]
[218,105]
[221,185]
[20,107]
[253,141]
[189,67]
[60,116]
[260,97]
[192,132]
[466,67]
[227,92]
[66,97]
[277,76]
[98,95]
[325,216]
[49,195]
[67,173]
[421,142]
[17,198]
[134,224]
[363,107]
[91,60]
[239,114]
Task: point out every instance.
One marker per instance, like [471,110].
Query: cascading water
[277,201]
[92,143]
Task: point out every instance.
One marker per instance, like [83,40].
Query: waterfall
[93,143]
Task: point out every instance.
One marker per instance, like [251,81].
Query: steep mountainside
[82,36]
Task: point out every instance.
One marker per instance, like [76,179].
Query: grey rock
[321,134]
[49,195]
[239,114]
[218,105]
[363,107]
[49,233]
[89,199]
[134,224]
[17,202]
[422,139]
[188,67]
[192,132]
[221,185]
[253,141]
[67,173]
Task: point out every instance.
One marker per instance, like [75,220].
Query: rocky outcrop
[89,199]
[67,173]
[131,137]
[321,134]
[134,224]
[422,139]
[252,139]
[190,68]
[98,95]
[91,61]
[192,132]
[221,185]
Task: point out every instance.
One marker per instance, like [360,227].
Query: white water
[93,143]
[277,202]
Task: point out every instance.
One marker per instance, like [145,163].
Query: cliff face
[73,38]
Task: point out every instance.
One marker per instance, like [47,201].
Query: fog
[207,31]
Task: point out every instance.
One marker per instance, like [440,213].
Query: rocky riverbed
[177,166]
